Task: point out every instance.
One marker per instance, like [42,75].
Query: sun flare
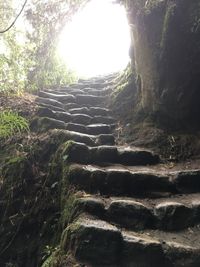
[97,40]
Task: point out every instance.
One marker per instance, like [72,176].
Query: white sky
[97,40]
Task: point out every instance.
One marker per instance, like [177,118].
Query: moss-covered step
[172,213]
[81,153]
[60,136]
[118,181]
[97,243]
[64,98]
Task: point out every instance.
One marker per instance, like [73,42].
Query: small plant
[11,123]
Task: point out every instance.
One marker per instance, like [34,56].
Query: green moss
[125,81]
[65,239]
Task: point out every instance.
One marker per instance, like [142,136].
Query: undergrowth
[11,123]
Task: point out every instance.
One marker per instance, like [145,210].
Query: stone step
[48,101]
[69,106]
[120,181]
[98,243]
[172,213]
[92,111]
[110,154]
[99,79]
[53,108]
[103,119]
[92,129]
[61,136]
[94,85]
[57,91]
[64,98]
[71,91]
[97,92]
[91,100]
[84,91]
[65,116]
[43,124]
[79,118]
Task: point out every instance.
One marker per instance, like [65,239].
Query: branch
[12,24]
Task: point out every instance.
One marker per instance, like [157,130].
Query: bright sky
[97,40]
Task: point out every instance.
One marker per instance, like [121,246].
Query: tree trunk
[166,41]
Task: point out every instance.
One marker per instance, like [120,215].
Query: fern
[11,123]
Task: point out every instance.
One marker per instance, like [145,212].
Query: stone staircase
[134,211]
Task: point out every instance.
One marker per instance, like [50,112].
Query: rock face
[166,44]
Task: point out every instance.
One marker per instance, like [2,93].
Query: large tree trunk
[166,41]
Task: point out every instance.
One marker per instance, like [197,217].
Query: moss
[74,227]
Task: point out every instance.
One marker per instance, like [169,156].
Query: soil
[24,104]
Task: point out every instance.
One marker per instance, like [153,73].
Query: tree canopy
[29,36]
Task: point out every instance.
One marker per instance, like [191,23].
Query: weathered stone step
[97,92]
[92,129]
[92,111]
[84,91]
[173,213]
[80,153]
[59,136]
[43,124]
[95,85]
[107,181]
[127,182]
[48,101]
[65,116]
[97,243]
[63,98]
[53,108]
[103,119]
[76,105]
[66,91]
[69,106]
[99,79]
[91,100]
[79,118]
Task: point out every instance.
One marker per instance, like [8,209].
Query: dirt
[24,104]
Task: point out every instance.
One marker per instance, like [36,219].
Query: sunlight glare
[97,40]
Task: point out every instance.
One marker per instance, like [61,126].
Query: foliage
[11,123]
[46,20]
[28,58]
